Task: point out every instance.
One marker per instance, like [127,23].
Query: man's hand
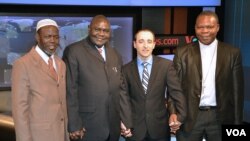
[174,123]
[77,134]
[125,132]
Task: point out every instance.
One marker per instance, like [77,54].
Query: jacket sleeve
[20,101]
[238,84]
[126,111]
[176,100]
[75,122]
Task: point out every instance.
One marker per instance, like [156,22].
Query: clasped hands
[77,134]
[174,123]
[125,131]
[80,133]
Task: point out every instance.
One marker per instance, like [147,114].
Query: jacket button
[199,95]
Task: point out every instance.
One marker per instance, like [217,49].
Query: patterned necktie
[52,69]
[100,51]
[145,77]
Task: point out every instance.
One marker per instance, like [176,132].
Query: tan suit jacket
[38,100]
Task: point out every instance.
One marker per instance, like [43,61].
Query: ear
[37,37]
[154,45]
[134,42]
[218,27]
[88,28]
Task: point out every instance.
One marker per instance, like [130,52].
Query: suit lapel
[153,74]
[220,59]
[196,55]
[92,50]
[219,62]
[41,63]
[136,75]
[108,55]
[60,74]
[90,47]
[59,68]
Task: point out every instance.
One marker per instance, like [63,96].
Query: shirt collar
[213,44]
[103,48]
[149,60]
[42,54]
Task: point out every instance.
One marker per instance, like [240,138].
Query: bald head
[99,30]
[208,14]
[98,19]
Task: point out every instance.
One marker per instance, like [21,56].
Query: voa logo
[236,132]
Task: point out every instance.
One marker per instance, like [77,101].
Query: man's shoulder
[74,47]
[26,56]
[161,59]
[161,62]
[58,59]
[76,44]
[25,60]
[113,53]
[186,49]
[129,64]
[228,47]
[188,46]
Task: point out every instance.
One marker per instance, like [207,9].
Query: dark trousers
[148,138]
[206,126]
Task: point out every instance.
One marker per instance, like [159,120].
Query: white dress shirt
[208,59]
[102,52]
[45,57]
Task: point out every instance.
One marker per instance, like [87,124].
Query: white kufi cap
[45,22]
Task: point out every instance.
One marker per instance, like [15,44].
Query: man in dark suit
[96,103]
[147,86]
[212,80]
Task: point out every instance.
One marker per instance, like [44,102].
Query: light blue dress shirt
[140,65]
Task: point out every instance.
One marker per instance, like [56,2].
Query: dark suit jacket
[94,91]
[149,111]
[228,77]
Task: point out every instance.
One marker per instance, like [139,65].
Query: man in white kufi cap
[39,90]
[45,22]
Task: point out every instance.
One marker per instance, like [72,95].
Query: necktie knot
[50,62]
[99,50]
[145,64]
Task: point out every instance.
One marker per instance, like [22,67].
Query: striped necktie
[145,77]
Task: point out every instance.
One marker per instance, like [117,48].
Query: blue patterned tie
[145,77]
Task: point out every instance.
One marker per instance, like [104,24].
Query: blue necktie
[145,77]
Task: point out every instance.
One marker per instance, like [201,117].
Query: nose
[101,31]
[145,45]
[205,30]
[53,39]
